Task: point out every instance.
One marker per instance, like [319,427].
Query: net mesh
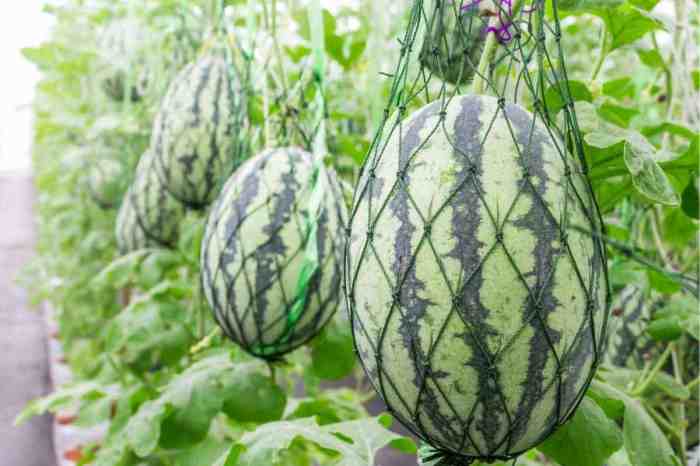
[416,297]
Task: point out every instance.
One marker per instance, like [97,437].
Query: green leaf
[689,199]
[651,58]
[617,114]
[645,443]
[554,96]
[647,175]
[619,88]
[332,353]
[65,396]
[662,283]
[587,5]
[255,398]
[184,410]
[329,406]
[626,24]
[588,439]
[352,443]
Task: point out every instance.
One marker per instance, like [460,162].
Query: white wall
[21,25]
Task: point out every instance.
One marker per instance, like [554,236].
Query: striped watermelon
[158,213]
[194,135]
[106,182]
[444,324]
[253,252]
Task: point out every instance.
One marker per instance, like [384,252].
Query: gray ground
[23,360]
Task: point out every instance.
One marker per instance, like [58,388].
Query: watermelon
[477,315]
[254,248]
[121,46]
[130,235]
[158,213]
[106,182]
[453,42]
[195,131]
[627,342]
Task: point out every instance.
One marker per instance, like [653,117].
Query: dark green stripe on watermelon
[254,247]
[473,315]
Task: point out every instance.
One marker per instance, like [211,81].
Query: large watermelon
[158,213]
[477,310]
[253,251]
[195,131]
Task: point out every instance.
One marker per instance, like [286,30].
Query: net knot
[428,228]
[499,237]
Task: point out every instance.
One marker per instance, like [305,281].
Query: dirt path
[23,354]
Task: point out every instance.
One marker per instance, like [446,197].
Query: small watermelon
[107,182]
[130,235]
[477,313]
[158,213]
[453,42]
[627,340]
[195,131]
[254,249]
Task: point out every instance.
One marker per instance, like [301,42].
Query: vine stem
[602,53]
[679,408]
[480,80]
[655,370]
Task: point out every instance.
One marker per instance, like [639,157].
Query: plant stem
[679,408]
[662,421]
[655,370]
[602,53]
[276,45]
[480,83]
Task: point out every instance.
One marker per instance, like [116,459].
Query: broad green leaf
[588,439]
[64,396]
[183,411]
[689,199]
[651,58]
[587,5]
[626,24]
[619,88]
[647,175]
[329,406]
[332,352]
[617,114]
[255,398]
[662,282]
[555,96]
[603,139]
[645,443]
[670,127]
[666,329]
[352,443]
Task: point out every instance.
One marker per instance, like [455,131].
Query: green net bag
[478,295]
